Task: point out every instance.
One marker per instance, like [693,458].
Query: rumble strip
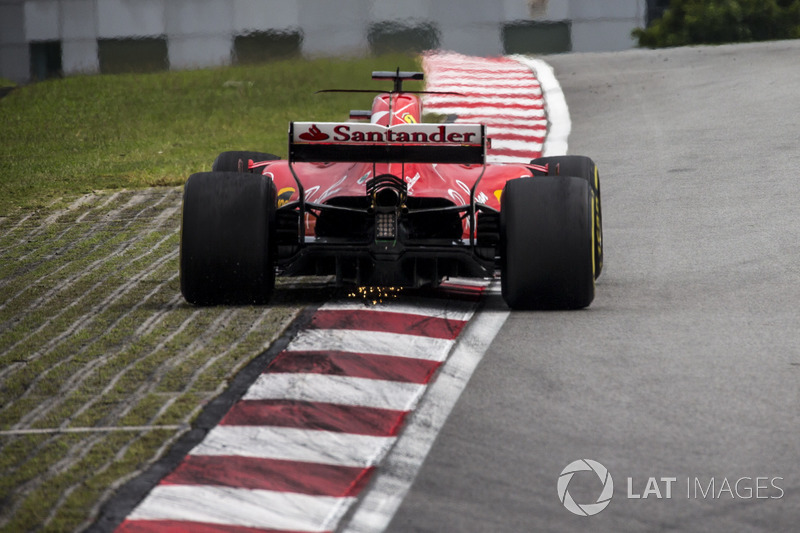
[517,97]
[305,439]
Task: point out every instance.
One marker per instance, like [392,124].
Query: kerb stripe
[356,365]
[449,309]
[378,342]
[389,322]
[529,137]
[315,415]
[270,474]
[483,102]
[306,445]
[342,390]
[175,526]
[264,509]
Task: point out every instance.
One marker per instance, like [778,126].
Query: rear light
[386,226]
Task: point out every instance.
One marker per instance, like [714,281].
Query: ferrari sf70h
[385,200]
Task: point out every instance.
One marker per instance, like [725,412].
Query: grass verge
[102,364]
[84,133]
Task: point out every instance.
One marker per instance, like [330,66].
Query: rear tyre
[237,161]
[227,252]
[581,167]
[546,243]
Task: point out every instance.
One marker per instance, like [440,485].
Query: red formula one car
[392,202]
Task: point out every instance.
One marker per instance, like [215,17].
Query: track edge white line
[555,103]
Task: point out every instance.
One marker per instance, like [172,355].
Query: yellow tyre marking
[594,233]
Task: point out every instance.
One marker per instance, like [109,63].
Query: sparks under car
[385,200]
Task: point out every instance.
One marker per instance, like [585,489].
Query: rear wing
[373,143]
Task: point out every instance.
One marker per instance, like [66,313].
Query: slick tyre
[237,161]
[580,167]
[227,250]
[547,243]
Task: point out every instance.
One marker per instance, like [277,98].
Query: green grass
[94,335]
[79,134]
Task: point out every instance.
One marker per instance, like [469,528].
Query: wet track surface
[687,364]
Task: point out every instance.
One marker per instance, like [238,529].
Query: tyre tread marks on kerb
[546,243]
[227,244]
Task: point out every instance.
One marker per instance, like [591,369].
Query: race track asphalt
[687,365]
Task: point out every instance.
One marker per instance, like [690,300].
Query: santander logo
[314,134]
[415,134]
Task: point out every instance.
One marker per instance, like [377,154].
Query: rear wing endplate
[373,143]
